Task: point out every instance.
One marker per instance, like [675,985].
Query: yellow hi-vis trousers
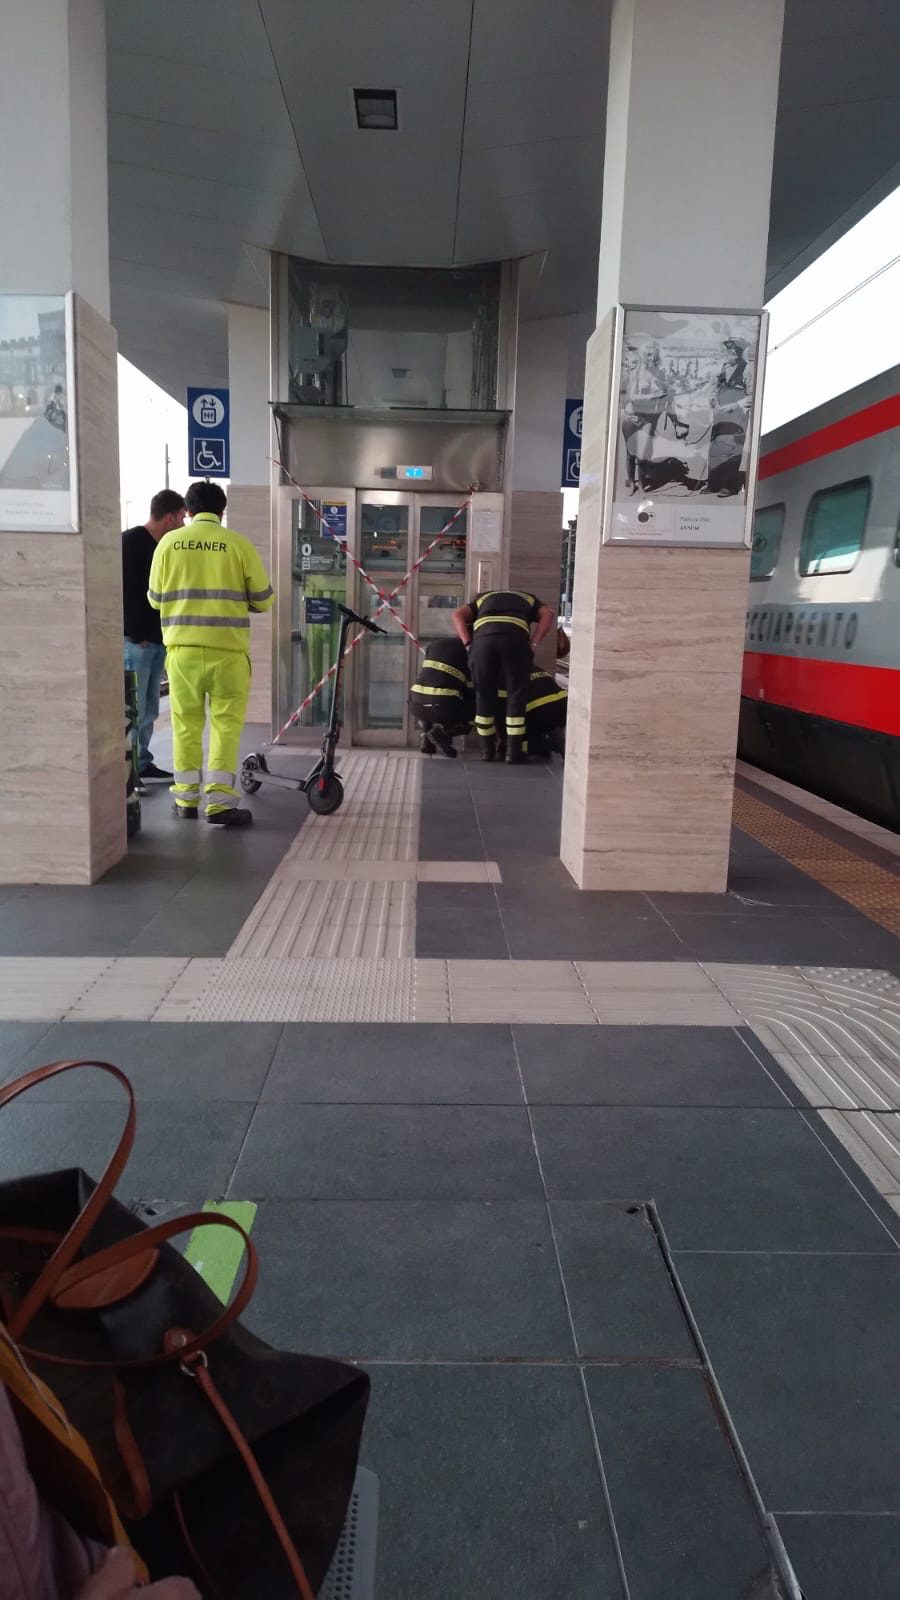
[197,674]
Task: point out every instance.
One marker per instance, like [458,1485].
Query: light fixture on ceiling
[376,110]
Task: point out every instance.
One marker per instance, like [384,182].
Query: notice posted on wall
[686,410]
[35,467]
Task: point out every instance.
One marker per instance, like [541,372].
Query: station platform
[602,1189]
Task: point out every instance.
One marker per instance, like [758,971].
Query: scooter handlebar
[364,622]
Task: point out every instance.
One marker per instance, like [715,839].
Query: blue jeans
[147,661]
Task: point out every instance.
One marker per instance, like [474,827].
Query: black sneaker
[185,813]
[158,774]
[234,817]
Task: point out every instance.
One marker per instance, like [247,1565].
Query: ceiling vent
[376,110]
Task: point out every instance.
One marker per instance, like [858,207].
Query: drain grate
[351,1575]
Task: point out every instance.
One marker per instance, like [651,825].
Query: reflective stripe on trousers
[198,672]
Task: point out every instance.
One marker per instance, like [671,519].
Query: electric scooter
[322,785]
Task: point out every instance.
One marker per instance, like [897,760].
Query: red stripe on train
[866,697]
[861,425]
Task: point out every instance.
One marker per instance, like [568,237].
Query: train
[820,692]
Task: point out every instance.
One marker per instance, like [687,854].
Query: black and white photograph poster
[686,406]
[35,470]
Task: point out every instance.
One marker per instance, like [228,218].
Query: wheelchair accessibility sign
[571,457]
[208,433]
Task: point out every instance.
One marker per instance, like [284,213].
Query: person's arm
[156,583]
[545,621]
[260,595]
[462,624]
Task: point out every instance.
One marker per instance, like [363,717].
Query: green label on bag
[216,1252]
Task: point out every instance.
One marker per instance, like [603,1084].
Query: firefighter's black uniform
[545,716]
[501,657]
[442,696]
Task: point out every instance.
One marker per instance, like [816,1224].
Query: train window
[834,527]
[768,526]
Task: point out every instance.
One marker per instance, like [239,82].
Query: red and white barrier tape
[383,599]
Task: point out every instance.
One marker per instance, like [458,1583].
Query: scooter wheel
[323,801]
[249,765]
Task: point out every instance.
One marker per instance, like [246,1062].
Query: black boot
[515,755]
[443,741]
[234,817]
[425,745]
[488,744]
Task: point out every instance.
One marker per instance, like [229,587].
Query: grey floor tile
[388,1153]
[836,1558]
[794,937]
[579,926]
[17,1039]
[724,1179]
[805,1349]
[173,1061]
[409,1280]
[459,918]
[684,1520]
[619,1291]
[184,1151]
[489,1486]
[646,1065]
[397,1062]
[869,945]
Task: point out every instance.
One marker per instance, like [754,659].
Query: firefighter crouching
[443,697]
[204,581]
[497,625]
[545,718]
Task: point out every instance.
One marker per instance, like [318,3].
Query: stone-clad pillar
[658,633]
[62,706]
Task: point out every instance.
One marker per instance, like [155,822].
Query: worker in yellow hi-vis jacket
[205,580]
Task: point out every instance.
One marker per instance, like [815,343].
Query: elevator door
[394,531]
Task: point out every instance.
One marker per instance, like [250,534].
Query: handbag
[214,1447]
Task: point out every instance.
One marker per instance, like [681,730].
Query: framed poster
[37,489]
[686,391]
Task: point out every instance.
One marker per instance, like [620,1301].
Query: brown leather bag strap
[67,1250]
[198,1369]
[103,1263]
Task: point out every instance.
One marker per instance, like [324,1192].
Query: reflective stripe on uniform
[219,800]
[220,777]
[546,700]
[187,777]
[515,724]
[518,622]
[430,691]
[483,599]
[485,724]
[206,622]
[196,594]
[255,595]
[451,672]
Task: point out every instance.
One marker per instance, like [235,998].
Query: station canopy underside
[233,132]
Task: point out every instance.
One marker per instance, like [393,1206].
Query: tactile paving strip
[872,889]
[335,892]
[306,990]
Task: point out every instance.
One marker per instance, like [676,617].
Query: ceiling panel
[231,126]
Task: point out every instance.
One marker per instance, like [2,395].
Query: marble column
[62,716]
[658,633]
[249,492]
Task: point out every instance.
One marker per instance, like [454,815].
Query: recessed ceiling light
[376,109]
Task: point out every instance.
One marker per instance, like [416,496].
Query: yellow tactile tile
[871,889]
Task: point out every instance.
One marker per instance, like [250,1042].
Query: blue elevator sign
[571,456]
[208,433]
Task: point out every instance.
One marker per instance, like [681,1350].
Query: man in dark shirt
[145,653]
